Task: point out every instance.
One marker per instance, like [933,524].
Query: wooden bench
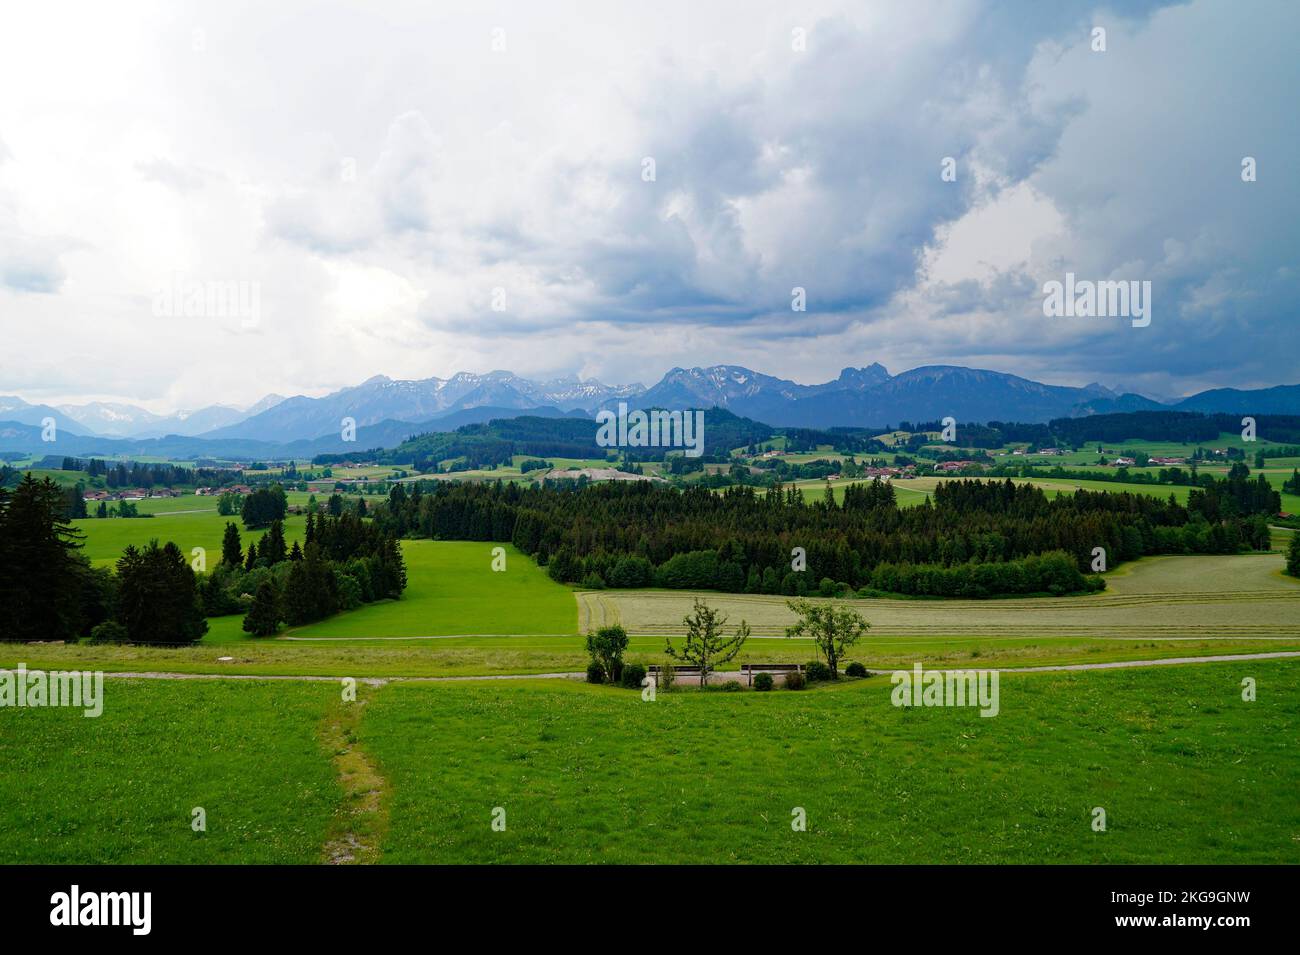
[749,669]
[655,669]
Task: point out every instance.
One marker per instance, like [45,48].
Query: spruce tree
[264,615]
[231,552]
[272,545]
[158,596]
[42,572]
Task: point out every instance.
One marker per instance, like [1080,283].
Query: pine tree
[231,551]
[158,596]
[272,545]
[299,605]
[42,573]
[264,615]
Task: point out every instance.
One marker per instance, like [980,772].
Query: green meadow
[452,589]
[107,537]
[122,787]
[1185,770]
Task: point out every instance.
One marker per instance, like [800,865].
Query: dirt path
[720,675]
[361,821]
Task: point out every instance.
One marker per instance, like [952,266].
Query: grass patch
[1186,771]
[452,589]
[120,788]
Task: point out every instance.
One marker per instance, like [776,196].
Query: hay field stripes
[1143,603]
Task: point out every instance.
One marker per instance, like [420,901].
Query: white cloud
[377,170]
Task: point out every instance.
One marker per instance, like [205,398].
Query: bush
[110,631]
[855,669]
[667,677]
[794,680]
[763,682]
[731,686]
[633,675]
[593,581]
[595,673]
[817,672]
[606,648]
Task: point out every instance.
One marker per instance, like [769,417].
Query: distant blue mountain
[387,411]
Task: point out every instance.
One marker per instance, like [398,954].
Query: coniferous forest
[973,539]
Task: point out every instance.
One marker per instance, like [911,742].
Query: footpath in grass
[122,787]
[1185,770]
[362,819]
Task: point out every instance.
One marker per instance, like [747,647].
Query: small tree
[706,647]
[833,628]
[606,647]
[1293,557]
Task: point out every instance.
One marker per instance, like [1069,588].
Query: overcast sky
[370,175]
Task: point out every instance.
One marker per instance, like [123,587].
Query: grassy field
[120,788]
[1154,608]
[106,538]
[1184,769]
[452,589]
[1240,596]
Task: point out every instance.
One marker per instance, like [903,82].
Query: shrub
[606,648]
[595,673]
[794,680]
[593,581]
[731,686]
[763,682]
[817,672]
[633,675]
[110,631]
[667,677]
[855,669]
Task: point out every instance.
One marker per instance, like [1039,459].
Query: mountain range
[386,411]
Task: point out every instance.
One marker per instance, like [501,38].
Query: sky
[206,203]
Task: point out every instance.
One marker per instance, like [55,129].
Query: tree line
[640,533]
[344,562]
[153,595]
